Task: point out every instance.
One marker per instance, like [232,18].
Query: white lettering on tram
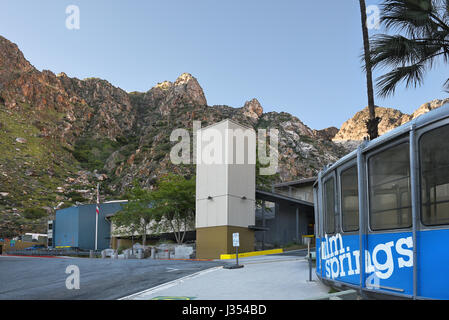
[341,261]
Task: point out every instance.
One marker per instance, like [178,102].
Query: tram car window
[329,209]
[349,200]
[317,207]
[389,189]
[434,152]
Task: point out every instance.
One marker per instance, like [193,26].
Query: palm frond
[413,76]
[446,86]
[394,51]
[387,50]
[446,9]
[423,38]
[418,18]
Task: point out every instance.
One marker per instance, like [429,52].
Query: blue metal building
[75,227]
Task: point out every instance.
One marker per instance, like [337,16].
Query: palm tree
[424,25]
[372,123]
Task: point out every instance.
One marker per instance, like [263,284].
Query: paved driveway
[270,277]
[45,278]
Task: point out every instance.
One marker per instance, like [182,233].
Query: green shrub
[76,196]
[121,249]
[66,205]
[34,213]
[93,153]
[159,156]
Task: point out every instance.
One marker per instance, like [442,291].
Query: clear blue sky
[296,56]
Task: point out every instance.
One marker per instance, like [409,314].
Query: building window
[434,152]
[329,208]
[350,199]
[389,189]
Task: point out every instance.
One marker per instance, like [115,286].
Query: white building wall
[225,182]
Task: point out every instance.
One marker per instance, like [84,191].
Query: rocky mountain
[60,136]
[354,129]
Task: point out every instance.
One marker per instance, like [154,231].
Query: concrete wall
[241,176]
[226,182]
[213,241]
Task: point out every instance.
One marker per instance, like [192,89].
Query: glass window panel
[329,195]
[389,189]
[350,199]
[434,154]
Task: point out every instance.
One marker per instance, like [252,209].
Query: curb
[250,254]
[186,259]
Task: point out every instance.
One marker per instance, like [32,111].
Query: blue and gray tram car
[382,213]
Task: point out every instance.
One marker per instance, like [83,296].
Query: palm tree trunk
[372,123]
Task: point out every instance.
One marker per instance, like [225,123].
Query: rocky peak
[168,95]
[12,61]
[62,75]
[252,109]
[11,58]
[429,106]
[355,128]
[164,85]
[326,134]
[185,78]
[188,85]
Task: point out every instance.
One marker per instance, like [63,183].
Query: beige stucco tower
[225,188]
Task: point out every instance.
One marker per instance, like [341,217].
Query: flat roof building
[75,227]
[299,189]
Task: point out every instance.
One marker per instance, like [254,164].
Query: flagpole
[97,212]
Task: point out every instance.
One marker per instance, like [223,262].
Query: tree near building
[265,182]
[174,204]
[136,215]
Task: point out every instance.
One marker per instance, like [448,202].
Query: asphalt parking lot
[45,278]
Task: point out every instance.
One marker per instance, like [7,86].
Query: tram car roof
[419,122]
